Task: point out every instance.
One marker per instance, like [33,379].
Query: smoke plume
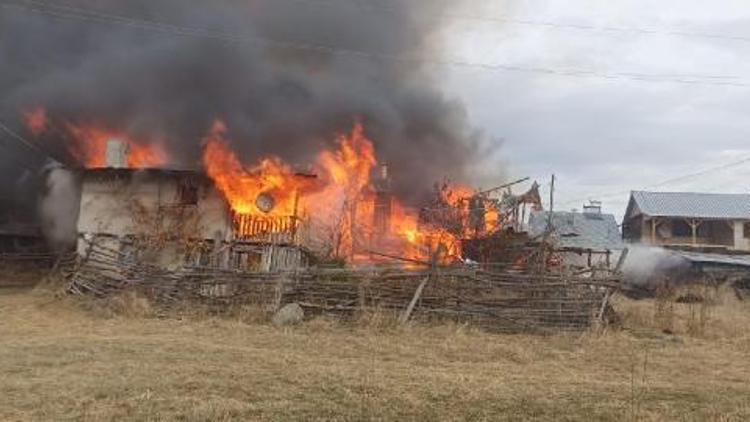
[648,266]
[58,207]
[285,75]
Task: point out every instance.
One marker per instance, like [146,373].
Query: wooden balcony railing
[261,228]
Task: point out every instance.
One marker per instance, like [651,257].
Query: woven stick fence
[502,301]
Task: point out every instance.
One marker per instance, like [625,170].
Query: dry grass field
[61,360]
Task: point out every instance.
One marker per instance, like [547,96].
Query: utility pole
[551,204]
[548,231]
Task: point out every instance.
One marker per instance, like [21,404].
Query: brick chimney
[117,153]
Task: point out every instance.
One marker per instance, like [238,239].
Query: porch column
[740,242]
[653,231]
[694,224]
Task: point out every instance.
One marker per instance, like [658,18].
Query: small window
[188,193]
[681,229]
[746,230]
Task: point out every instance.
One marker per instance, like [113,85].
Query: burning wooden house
[180,235]
[174,218]
[266,216]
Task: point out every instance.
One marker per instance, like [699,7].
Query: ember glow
[36,120]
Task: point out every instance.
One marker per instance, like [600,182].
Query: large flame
[245,187]
[345,204]
[350,166]
[340,203]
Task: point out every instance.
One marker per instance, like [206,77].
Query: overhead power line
[32,147]
[70,12]
[671,32]
[28,144]
[665,182]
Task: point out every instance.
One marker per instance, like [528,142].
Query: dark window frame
[187,192]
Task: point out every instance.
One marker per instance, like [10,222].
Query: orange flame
[89,146]
[87,142]
[341,203]
[244,187]
[423,242]
[345,204]
[36,120]
[352,164]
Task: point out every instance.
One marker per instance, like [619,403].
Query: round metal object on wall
[265,202]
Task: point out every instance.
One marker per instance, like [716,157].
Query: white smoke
[647,264]
[58,207]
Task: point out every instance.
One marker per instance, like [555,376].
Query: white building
[174,218]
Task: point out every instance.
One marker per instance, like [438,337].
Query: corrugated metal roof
[717,259]
[579,230]
[693,205]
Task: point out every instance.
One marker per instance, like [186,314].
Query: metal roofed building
[698,220]
[587,238]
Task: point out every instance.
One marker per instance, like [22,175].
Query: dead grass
[20,274]
[61,362]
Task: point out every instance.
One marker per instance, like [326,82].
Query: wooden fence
[497,300]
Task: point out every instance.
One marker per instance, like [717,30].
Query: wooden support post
[434,261]
[417,294]
[362,295]
[608,293]
[278,294]
[621,260]
[603,307]
[653,231]
[694,224]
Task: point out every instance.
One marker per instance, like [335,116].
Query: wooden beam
[621,261]
[694,224]
[653,231]
[417,294]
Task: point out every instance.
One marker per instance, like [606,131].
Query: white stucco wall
[110,205]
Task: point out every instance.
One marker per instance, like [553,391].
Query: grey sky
[603,136]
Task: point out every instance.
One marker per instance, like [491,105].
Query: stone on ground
[290,314]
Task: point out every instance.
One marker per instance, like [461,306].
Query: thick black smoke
[202,60]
